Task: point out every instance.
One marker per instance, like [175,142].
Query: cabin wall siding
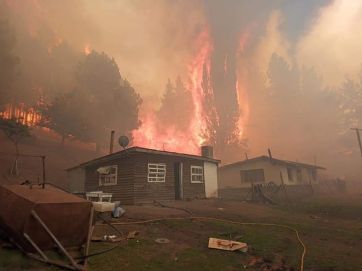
[192,190]
[148,191]
[132,179]
[76,180]
[123,190]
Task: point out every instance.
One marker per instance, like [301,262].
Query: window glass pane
[156,172]
[197,174]
[110,177]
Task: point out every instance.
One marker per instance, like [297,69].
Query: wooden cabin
[136,175]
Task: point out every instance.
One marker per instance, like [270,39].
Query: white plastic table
[99,196]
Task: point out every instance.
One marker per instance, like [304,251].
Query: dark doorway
[178,180]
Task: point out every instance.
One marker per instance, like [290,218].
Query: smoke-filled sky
[153,41]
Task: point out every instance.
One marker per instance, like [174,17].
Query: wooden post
[270,155]
[252,189]
[90,231]
[310,181]
[76,266]
[43,164]
[111,142]
[358,138]
[283,185]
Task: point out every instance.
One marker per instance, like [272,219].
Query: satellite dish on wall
[123,141]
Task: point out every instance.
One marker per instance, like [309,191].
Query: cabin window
[197,174]
[156,173]
[107,175]
[252,175]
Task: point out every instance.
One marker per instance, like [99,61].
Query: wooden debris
[132,234]
[227,245]
[162,241]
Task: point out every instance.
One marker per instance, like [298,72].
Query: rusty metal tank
[66,215]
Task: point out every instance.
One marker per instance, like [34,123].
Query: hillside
[47,143]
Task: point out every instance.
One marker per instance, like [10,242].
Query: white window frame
[156,172]
[112,176]
[197,174]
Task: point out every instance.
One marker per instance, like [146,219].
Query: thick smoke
[277,71]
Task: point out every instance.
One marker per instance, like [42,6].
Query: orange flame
[241,92]
[57,41]
[244,109]
[87,49]
[26,116]
[153,134]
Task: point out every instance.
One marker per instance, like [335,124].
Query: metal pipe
[358,138]
[112,142]
[56,241]
[43,163]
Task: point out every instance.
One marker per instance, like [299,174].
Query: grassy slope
[58,157]
[330,227]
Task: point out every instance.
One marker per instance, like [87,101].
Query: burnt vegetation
[76,95]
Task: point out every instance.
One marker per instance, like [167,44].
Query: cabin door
[178,181]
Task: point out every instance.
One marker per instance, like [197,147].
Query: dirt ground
[330,227]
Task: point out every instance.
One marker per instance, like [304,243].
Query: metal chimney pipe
[270,155]
[112,142]
[207,151]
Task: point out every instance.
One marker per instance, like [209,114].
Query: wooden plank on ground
[227,244]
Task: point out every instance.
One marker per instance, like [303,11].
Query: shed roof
[125,152]
[272,160]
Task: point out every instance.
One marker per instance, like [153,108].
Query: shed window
[252,175]
[197,174]
[107,175]
[156,173]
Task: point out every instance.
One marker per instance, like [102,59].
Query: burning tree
[62,116]
[176,107]
[101,101]
[16,132]
[107,101]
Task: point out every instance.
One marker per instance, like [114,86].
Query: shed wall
[230,176]
[211,184]
[145,191]
[76,180]
[132,179]
[123,190]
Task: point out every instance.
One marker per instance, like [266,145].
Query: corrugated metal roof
[273,160]
[122,153]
